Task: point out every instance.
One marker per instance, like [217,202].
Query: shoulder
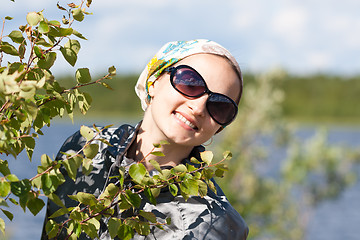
[113,135]
[210,217]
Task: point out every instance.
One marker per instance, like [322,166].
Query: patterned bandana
[170,54]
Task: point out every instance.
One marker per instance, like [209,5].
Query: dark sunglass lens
[188,82]
[221,108]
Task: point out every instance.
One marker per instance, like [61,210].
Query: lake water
[332,219]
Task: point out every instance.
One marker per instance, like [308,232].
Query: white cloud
[319,60]
[290,24]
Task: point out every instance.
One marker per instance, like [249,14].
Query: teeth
[184,120]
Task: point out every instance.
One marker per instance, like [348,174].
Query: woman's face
[182,120]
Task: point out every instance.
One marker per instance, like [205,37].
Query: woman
[189,91]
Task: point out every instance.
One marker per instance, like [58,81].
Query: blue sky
[298,36]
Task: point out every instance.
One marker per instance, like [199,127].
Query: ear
[151,89]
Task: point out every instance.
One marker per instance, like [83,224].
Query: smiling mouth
[184,120]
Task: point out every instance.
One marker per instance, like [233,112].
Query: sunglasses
[190,83]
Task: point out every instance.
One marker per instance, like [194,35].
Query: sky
[301,37]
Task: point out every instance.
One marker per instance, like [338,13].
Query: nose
[198,105]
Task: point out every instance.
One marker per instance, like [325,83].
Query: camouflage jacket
[210,217]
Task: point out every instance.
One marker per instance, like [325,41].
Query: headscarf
[172,53]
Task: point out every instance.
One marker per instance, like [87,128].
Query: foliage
[322,97]
[30,98]
[274,196]
[185,179]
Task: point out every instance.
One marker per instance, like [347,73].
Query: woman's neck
[143,145]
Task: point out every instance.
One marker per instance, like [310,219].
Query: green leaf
[8,214]
[190,168]
[82,75]
[48,61]
[114,226]
[21,188]
[69,55]
[4,167]
[149,195]
[79,35]
[51,228]
[85,198]
[189,186]
[35,205]
[38,52]
[212,186]
[60,7]
[84,100]
[63,32]
[48,183]
[137,172]
[43,27]
[156,165]
[5,188]
[106,85]
[133,198]
[165,174]
[155,192]
[2,226]
[43,42]
[202,188]
[3,202]
[142,228]
[168,221]
[208,173]
[87,166]
[88,3]
[53,197]
[16,36]
[13,201]
[78,229]
[33,18]
[227,155]
[29,146]
[90,230]
[45,161]
[78,14]
[125,232]
[173,189]
[110,191]
[158,153]
[112,71]
[194,160]
[180,168]
[124,203]
[95,222]
[8,48]
[22,50]
[91,150]
[8,18]
[219,173]
[76,215]
[12,178]
[59,212]
[73,45]
[55,23]
[71,167]
[207,157]
[87,132]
